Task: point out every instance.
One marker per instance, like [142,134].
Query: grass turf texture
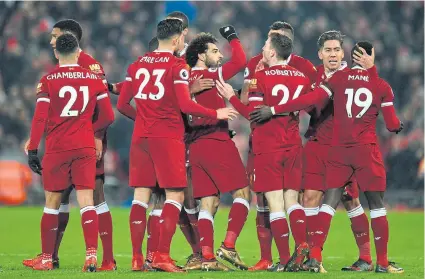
[19,234]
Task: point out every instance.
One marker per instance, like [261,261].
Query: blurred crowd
[116,33]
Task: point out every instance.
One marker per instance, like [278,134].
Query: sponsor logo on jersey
[253,84]
[95,68]
[39,86]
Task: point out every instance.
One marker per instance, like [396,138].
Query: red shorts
[77,167]
[363,161]
[314,166]
[216,167]
[278,170]
[157,159]
[250,168]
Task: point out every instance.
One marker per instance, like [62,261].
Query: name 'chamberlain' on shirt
[75,75]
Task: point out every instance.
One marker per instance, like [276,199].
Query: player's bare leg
[49,224]
[169,218]
[188,223]
[237,217]
[297,220]
[105,225]
[209,207]
[360,228]
[63,222]
[264,234]
[158,199]
[137,222]
[279,227]
[379,223]
[90,224]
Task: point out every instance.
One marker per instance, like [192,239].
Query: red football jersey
[208,128]
[320,126]
[357,99]
[158,82]
[279,84]
[301,64]
[72,93]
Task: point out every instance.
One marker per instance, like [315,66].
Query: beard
[212,64]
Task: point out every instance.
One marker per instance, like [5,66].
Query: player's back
[279,83]
[72,92]
[357,100]
[152,79]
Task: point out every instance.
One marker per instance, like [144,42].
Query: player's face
[56,32]
[213,56]
[331,54]
[267,52]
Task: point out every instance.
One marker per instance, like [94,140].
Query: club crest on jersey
[246,72]
[39,86]
[184,74]
[253,84]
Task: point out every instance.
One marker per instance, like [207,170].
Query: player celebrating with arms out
[70,157]
[277,148]
[158,81]
[214,159]
[256,64]
[357,99]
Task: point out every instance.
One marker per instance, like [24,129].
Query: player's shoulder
[87,61]
[255,59]
[298,60]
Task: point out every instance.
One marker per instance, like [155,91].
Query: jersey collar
[163,51]
[358,67]
[342,67]
[69,65]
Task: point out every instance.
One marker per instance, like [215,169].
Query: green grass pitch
[19,234]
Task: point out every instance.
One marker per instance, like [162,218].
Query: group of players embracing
[182,150]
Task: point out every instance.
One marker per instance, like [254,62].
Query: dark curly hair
[330,36]
[70,25]
[281,44]
[197,46]
[66,44]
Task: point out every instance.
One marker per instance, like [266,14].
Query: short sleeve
[251,67]
[387,94]
[181,73]
[43,90]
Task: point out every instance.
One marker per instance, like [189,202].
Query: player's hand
[363,59]
[225,89]
[112,87]
[99,148]
[34,162]
[228,32]
[261,114]
[200,85]
[27,143]
[401,127]
[226,113]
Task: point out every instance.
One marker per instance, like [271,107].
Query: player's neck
[164,47]
[200,65]
[68,61]
[276,62]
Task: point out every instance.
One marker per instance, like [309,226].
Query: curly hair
[330,36]
[70,25]
[197,46]
[66,44]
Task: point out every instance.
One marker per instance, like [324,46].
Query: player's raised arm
[392,122]
[124,99]
[238,59]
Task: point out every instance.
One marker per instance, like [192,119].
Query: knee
[311,199]
[176,195]
[351,204]
[85,198]
[53,200]
[243,193]
[98,194]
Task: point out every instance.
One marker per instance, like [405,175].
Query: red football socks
[380,230]
[298,223]
[167,225]
[280,231]
[105,230]
[90,224]
[153,233]
[189,226]
[323,224]
[63,222]
[48,226]
[311,216]
[137,225]
[206,233]
[264,233]
[237,217]
[360,228]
